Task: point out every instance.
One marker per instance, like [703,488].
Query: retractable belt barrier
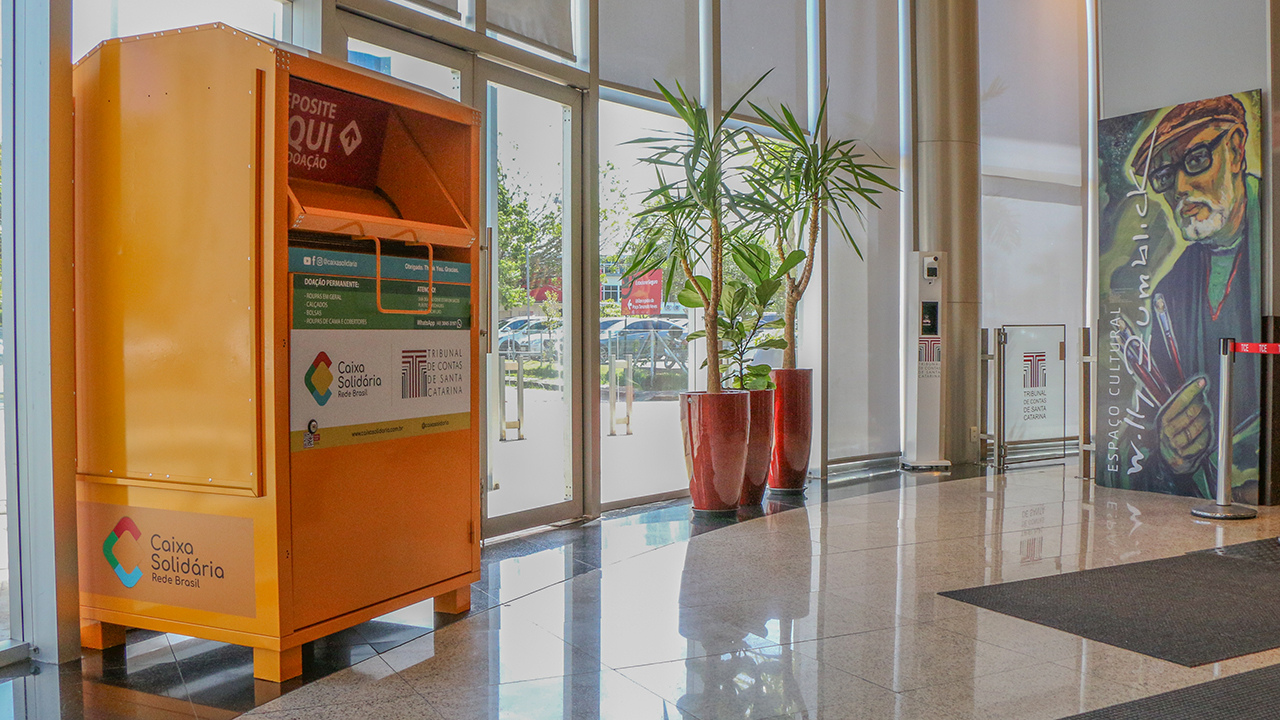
[1257,348]
[1223,509]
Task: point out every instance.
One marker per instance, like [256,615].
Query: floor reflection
[726,675]
[816,606]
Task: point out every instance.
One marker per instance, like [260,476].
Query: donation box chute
[277,397]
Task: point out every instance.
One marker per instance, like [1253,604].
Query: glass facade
[96,20]
[437,78]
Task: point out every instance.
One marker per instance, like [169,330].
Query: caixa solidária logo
[319,377]
[126,526]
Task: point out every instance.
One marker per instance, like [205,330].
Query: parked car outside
[513,332]
[663,339]
[546,341]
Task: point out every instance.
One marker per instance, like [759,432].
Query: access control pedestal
[276,280]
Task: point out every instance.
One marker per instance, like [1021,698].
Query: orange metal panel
[364,614]
[276,370]
[111,595]
[378,520]
[167,295]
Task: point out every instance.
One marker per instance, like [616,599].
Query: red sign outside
[644,295]
[335,136]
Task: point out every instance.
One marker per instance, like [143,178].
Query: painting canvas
[1180,265]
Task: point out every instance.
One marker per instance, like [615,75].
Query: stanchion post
[1225,387]
[1223,509]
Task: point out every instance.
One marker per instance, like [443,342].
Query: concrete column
[948,196]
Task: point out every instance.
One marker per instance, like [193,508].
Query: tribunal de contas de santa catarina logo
[125,526]
[319,378]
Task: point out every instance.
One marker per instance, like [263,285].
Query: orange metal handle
[431,280]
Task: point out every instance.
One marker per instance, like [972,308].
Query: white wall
[1157,53]
[863,296]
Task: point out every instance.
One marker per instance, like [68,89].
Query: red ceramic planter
[792,429]
[715,429]
[759,448]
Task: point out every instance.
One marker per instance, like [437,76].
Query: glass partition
[1033,402]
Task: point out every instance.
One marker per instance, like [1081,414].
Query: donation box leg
[100,636]
[455,602]
[277,665]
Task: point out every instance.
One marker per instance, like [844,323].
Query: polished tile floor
[822,608]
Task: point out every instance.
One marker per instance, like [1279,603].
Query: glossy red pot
[715,428]
[759,448]
[792,429]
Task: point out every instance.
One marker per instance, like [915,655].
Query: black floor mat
[1192,609]
[1254,695]
[1263,551]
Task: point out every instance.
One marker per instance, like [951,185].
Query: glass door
[534,473]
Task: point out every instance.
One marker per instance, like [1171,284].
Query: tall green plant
[804,177]
[700,196]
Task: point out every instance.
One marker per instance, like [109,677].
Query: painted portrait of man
[1183,271]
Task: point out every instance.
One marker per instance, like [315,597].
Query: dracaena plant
[744,306]
[702,194]
[804,177]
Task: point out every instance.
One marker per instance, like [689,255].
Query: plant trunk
[712,315]
[789,332]
[795,289]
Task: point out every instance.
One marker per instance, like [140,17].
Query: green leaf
[794,258]
[752,260]
[689,298]
[696,335]
[766,292]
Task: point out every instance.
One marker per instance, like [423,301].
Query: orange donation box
[276,280]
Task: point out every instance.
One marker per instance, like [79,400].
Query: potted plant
[804,177]
[700,197]
[744,330]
